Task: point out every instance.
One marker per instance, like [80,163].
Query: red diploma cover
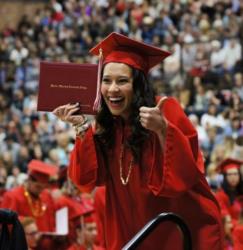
[63,83]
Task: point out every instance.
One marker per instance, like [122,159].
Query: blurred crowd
[204,72]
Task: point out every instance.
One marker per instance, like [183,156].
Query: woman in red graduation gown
[230,196]
[146,154]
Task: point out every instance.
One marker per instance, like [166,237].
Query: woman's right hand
[66,113]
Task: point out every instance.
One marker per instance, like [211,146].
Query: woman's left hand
[153,119]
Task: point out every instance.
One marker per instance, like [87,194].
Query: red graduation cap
[89,217]
[76,210]
[121,49]
[41,171]
[79,209]
[229,163]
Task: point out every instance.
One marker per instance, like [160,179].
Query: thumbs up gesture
[153,119]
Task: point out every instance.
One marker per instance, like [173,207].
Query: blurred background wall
[11,11]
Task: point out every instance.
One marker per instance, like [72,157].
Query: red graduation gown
[75,206]
[99,203]
[169,181]
[77,247]
[16,201]
[234,210]
[238,237]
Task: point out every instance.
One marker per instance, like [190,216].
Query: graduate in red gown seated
[31,232]
[85,230]
[33,199]
[72,199]
[145,151]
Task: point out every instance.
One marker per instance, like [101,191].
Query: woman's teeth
[115,99]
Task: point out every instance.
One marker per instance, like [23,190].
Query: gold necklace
[124,180]
[37,207]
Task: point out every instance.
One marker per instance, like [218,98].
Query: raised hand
[152,118]
[66,113]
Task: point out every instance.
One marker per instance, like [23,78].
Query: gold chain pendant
[124,180]
[37,207]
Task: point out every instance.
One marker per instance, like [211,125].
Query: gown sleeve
[84,161]
[9,202]
[223,200]
[181,164]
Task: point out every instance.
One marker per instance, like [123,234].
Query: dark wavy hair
[233,194]
[143,95]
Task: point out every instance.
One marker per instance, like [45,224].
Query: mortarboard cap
[89,217]
[121,49]
[229,163]
[41,171]
[76,210]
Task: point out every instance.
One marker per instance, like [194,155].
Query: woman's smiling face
[117,88]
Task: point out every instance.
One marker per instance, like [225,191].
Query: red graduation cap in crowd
[41,171]
[89,217]
[229,163]
[121,49]
[77,210]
